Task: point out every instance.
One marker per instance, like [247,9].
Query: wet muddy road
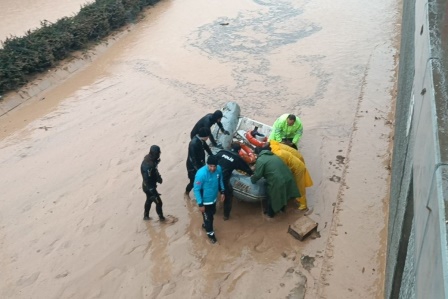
[71,218]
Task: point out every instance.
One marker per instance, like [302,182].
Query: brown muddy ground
[71,218]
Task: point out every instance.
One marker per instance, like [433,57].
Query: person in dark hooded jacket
[207,122]
[152,177]
[229,160]
[196,155]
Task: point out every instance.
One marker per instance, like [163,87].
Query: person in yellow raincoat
[294,160]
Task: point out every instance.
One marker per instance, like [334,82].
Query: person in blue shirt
[207,184]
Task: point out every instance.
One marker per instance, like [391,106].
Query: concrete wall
[417,265]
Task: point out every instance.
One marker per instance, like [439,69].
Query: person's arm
[206,148]
[224,131]
[243,166]
[221,181]
[145,174]
[149,177]
[276,133]
[258,174]
[194,155]
[158,176]
[212,139]
[197,189]
[298,134]
[221,185]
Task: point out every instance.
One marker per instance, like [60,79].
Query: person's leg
[159,205]
[299,177]
[148,203]
[212,211]
[268,207]
[265,205]
[191,175]
[228,198]
[208,221]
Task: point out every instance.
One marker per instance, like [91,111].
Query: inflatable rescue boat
[250,134]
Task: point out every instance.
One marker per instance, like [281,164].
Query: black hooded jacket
[150,174]
[196,154]
[229,161]
[207,121]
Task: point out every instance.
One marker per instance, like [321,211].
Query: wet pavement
[71,219]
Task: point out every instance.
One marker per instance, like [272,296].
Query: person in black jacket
[207,122]
[229,160]
[151,177]
[196,155]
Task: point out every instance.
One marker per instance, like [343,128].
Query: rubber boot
[302,203]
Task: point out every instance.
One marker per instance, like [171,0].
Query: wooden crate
[302,228]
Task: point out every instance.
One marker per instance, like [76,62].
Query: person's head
[212,163]
[155,152]
[204,133]
[217,115]
[259,149]
[235,146]
[291,119]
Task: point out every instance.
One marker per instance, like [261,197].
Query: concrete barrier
[417,258]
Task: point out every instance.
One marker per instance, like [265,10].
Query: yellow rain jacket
[294,160]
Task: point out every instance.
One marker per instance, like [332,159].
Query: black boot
[212,238]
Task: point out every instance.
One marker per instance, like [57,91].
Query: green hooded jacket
[280,181]
[281,130]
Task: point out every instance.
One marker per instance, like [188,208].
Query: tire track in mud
[327,267]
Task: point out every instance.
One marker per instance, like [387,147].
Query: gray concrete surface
[417,265]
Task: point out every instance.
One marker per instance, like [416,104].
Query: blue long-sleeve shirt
[207,185]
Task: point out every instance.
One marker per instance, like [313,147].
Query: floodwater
[19,16]
[71,201]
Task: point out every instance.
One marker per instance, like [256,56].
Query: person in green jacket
[280,182]
[287,129]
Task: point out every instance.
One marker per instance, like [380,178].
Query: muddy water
[19,16]
[72,205]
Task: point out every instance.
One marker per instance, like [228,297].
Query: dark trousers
[228,199]
[267,208]
[210,211]
[191,175]
[150,198]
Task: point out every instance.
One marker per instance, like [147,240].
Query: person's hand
[202,209]
[222,197]
[226,132]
